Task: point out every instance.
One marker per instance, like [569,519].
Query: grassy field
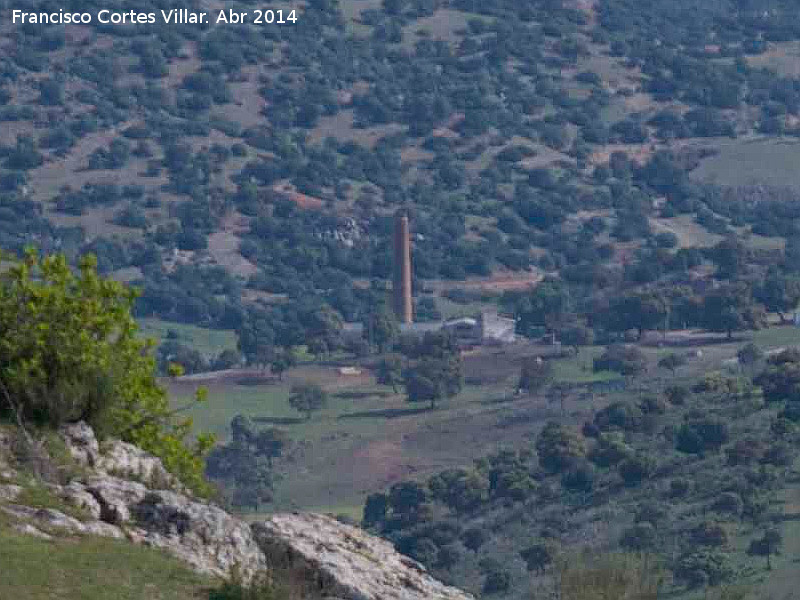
[748,162]
[775,337]
[208,342]
[368,437]
[91,568]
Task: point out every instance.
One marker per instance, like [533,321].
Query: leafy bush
[698,436]
[559,448]
[704,567]
[641,536]
[69,351]
[626,360]
[496,582]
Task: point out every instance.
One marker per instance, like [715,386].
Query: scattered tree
[307,398]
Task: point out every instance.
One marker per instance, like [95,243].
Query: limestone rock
[49,517]
[347,562]
[28,529]
[9,492]
[81,443]
[76,494]
[203,535]
[130,462]
[116,457]
[115,497]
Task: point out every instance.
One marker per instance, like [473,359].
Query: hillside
[85,506]
[616,176]
[229,168]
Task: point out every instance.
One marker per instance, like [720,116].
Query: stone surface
[9,493]
[130,462]
[347,562]
[203,535]
[29,529]
[49,517]
[76,494]
[115,496]
[116,457]
[81,442]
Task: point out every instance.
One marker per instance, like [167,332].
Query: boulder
[346,562]
[81,443]
[130,462]
[48,517]
[9,492]
[115,497]
[205,536]
[76,494]
[116,458]
[28,529]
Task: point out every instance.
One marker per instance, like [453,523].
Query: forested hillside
[227,168]
[617,175]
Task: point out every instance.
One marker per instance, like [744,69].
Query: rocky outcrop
[9,492]
[119,497]
[116,458]
[120,492]
[55,519]
[203,535]
[345,561]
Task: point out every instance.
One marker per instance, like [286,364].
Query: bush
[580,478]
[710,534]
[474,538]
[677,394]
[635,470]
[496,582]
[538,556]
[705,567]
[626,360]
[679,488]
[640,537]
[700,435]
[70,351]
[622,415]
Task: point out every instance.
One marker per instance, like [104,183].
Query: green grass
[91,568]
[748,162]
[209,342]
[578,369]
[227,401]
[776,337]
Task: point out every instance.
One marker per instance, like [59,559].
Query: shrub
[70,351]
[610,450]
[580,478]
[705,567]
[677,394]
[496,582]
[626,360]
[710,534]
[635,470]
[474,538]
[538,556]
[641,536]
[558,447]
[679,488]
[700,435]
[622,415]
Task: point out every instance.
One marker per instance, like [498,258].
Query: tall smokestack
[403,307]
